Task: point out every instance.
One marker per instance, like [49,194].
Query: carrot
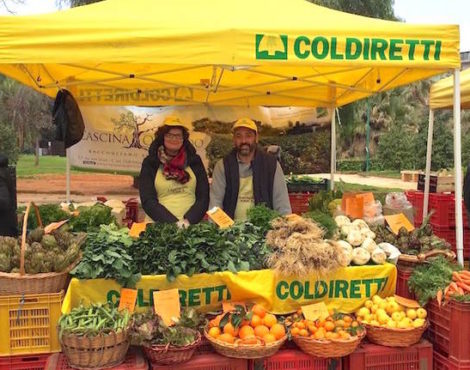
[439,297]
[464,286]
[465,273]
[456,276]
[446,290]
[454,286]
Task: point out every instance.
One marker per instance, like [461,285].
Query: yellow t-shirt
[246,199]
[177,198]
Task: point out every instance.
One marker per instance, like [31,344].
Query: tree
[129,123]
[382,9]
[8,145]
[75,3]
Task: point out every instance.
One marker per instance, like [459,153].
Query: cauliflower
[369,245]
[355,238]
[360,256]
[378,256]
[347,251]
[361,224]
[342,220]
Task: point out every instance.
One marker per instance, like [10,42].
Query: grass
[47,165]
[379,192]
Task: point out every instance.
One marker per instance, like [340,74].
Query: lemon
[383,305]
[368,304]
[374,308]
[380,312]
[383,319]
[418,323]
[411,313]
[391,307]
[403,324]
[392,324]
[374,323]
[376,299]
[363,311]
[421,313]
[396,316]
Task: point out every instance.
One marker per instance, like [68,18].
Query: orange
[214,332]
[278,331]
[320,334]
[230,329]
[246,331]
[329,326]
[249,340]
[354,324]
[259,310]
[329,335]
[227,338]
[256,320]
[269,338]
[312,328]
[301,325]
[261,331]
[295,331]
[269,320]
[344,335]
[347,319]
[340,322]
[303,333]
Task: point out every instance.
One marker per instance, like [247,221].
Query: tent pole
[67,176]
[458,168]
[333,149]
[428,163]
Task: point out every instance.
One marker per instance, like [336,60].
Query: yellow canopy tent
[248,52]
[445,94]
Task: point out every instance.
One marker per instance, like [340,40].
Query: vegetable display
[94,320]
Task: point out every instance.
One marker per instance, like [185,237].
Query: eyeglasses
[173,136]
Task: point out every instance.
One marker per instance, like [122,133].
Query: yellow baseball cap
[173,121]
[245,122]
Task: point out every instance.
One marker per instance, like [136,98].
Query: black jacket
[149,196]
[466,189]
[264,168]
[8,218]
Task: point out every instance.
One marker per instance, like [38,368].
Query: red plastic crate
[448,234]
[402,283]
[373,357]
[441,362]
[294,359]
[207,361]
[299,202]
[416,198]
[444,210]
[134,361]
[32,362]
[205,347]
[439,324]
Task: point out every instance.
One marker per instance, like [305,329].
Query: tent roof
[248,52]
[442,92]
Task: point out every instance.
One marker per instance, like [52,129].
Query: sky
[411,11]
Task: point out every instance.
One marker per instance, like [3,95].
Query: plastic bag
[397,201]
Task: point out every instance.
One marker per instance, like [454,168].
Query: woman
[173,181]
[8,220]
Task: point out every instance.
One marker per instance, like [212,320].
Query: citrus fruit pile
[389,313]
[337,326]
[255,327]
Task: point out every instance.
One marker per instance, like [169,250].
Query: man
[8,220]
[466,193]
[248,176]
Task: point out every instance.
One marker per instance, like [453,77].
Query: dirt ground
[84,187]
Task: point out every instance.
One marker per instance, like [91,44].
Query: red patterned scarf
[173,167]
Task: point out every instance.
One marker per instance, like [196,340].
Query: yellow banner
[345,290]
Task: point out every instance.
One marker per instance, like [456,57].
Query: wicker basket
[22,283]
[99,352]
[409,262]
[392,337]
[329,348]
[252,351]
[171,355]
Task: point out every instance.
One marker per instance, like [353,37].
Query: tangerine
[329,326]
[246,331]
[256,320]
[230,329]
[278,331]
[227,338]
[259,310]
[295,331]
[303,333]
[214,332]
[261,331]
[269,320]
[269,338]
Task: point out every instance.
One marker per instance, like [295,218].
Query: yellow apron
[246,199]
[177,198]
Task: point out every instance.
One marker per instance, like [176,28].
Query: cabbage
[369,245]
[355,238]
[378,256]
[342,220]
[360,256]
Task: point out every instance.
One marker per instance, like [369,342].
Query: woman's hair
[163,130]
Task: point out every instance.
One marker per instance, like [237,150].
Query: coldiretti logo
[276,47]
[271,47]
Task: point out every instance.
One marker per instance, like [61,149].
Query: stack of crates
[28,326]
[449,331]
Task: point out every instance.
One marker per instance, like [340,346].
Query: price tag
[230,306]
[220,218]
[137,228]
[54,226]
[167,305]
[315,311]
[128,299]
[396,222]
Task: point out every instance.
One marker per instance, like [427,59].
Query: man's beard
[246,149]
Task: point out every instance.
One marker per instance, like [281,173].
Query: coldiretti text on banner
[347,288]
[282,47]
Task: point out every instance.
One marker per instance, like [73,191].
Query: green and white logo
[271,47]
